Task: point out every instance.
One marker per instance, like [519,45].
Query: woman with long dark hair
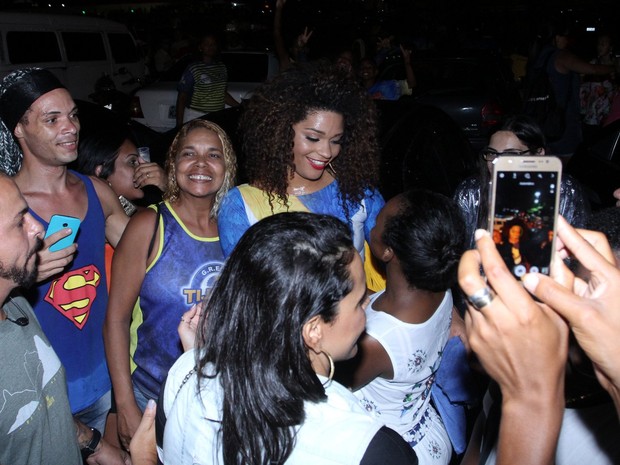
[258,388]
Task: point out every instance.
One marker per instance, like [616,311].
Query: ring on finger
[481,298]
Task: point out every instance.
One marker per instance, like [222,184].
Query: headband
[18,91]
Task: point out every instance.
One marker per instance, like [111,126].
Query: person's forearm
[278,40]
[83,433]
[411,79]
[116,338]
[181,101]
[529,429]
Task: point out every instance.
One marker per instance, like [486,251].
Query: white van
[78,49]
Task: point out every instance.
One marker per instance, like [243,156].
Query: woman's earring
[332,368]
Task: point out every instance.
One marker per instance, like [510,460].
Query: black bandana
[18,97]
[18,91]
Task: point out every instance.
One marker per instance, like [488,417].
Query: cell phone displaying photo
[523,210]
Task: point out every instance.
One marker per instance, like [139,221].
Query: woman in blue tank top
[165,262]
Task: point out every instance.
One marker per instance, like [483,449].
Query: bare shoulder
[104,192]
[139,231]
[142,219]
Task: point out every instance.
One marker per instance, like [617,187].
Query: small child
[420,237]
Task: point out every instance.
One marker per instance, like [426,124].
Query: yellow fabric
[258,202]
[375,280]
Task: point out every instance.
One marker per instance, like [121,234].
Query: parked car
[87,54]
[155,104]
[596,164]
[475,88]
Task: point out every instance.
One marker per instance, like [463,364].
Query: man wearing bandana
[39,131]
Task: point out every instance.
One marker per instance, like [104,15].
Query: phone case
[58,222]
[523,209]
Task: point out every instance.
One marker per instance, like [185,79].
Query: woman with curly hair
[168,257]
[310,142]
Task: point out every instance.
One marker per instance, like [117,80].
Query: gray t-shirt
[36,425]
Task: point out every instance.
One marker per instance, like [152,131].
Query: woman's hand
[522,344]
[591,308]
[143,446]
[150,174]
[127,420]
[188,325]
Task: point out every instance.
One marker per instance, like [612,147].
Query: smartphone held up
[58,222]
[524,203]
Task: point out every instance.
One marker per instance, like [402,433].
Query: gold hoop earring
[332,368]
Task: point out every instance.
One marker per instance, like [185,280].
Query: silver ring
[481,298]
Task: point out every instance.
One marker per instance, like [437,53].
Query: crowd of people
[297,318]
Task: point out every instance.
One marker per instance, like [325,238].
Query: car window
[123,48]
[32,47]
[84,46]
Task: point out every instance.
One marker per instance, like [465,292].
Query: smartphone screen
[524,206]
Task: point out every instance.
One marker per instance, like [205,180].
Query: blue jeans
[96,414]
[141,398]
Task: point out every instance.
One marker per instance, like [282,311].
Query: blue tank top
[184,269]
[71,308]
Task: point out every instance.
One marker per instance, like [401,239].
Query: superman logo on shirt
[73,294]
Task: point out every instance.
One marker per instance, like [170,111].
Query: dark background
[504,24]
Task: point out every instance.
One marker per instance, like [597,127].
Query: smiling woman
[167,261]
[309,137]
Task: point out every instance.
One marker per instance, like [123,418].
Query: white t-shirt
[403,402]
[334,432]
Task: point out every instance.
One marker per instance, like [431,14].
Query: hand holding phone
[524,203]
[59,222]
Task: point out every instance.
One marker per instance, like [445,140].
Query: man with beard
[36,426]
[38,138]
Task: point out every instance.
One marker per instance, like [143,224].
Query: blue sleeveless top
[184,269]
[71,308]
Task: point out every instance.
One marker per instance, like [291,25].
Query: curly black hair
[267,129]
